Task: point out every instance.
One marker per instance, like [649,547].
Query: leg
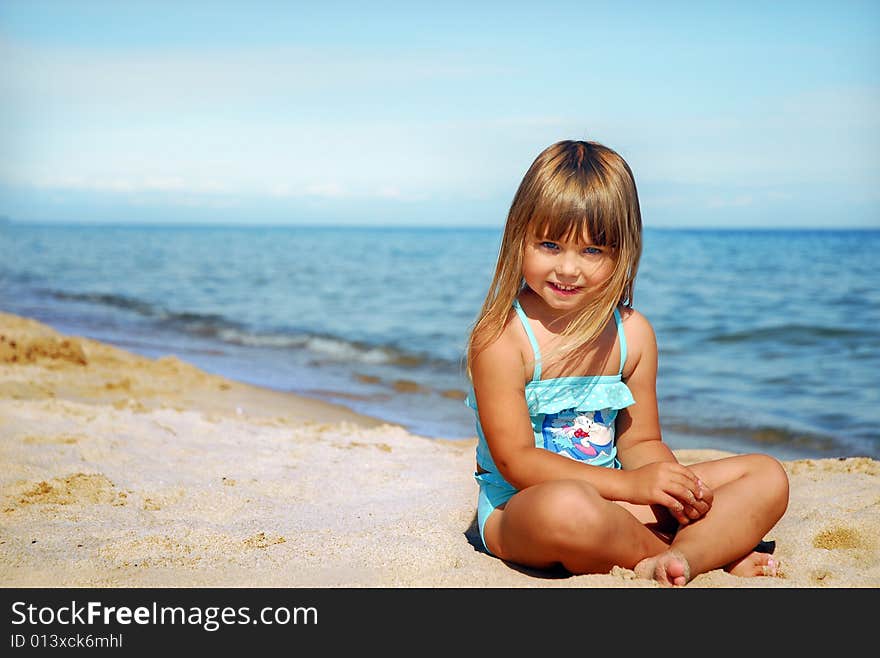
[753,564]
[567,522]
[751,495]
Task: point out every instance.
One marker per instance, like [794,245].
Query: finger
[701,508]
[677,509]
[692,510]
[692,482]
[708,495]
[683,494]
[689,474]
[692,507]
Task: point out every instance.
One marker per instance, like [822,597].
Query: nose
[567,265]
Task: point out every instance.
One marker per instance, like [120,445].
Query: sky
[746,114]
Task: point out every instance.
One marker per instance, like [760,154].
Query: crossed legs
[567,522]
[751,495]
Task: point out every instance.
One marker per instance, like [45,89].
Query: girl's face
[565,273]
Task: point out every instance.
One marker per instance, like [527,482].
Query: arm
[640,446]
[639,439]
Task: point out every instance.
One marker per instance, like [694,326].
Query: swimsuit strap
[619,322]
[534,341]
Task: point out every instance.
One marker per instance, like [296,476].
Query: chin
[564,304]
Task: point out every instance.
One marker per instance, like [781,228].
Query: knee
[572,512]
[773,479]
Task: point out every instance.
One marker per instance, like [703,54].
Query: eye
[593,251]
[549,245]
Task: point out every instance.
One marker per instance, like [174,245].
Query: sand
[122,471]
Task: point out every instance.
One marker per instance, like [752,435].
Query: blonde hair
[572,189]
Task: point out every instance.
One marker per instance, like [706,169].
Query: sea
[769,339]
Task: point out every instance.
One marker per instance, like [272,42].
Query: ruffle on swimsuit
[550,396]
[588,393]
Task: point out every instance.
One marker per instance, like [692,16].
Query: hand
[673,486]
[698,508]
[705,498]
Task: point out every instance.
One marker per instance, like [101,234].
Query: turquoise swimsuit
[572,416]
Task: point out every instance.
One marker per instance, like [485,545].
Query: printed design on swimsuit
[580,435]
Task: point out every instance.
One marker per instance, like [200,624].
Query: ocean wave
[218,327]
[761,436]
[330,347]
[106,299]
[793,334]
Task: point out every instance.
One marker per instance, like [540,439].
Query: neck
[555,322]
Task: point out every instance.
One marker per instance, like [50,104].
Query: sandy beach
[123,471]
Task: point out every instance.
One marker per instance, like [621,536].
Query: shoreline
[126,471]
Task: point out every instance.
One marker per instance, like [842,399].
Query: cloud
[172,79]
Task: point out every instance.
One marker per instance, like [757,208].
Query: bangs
[570,215]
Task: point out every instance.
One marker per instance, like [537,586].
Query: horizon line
[7,221]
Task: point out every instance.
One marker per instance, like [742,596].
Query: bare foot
[669,568]
[754,564]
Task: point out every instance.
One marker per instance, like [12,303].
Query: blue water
[769,340]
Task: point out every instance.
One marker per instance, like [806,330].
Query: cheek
[530,275]
[531,264]
[602,271]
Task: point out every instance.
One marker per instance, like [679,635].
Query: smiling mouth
[563,289]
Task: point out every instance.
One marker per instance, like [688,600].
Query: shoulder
[635,324]
[641,341]
[504,356]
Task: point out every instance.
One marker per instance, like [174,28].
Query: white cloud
[171,79]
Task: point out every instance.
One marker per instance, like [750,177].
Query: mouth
[563,290]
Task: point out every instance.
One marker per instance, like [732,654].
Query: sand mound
[40,348]
[78,488]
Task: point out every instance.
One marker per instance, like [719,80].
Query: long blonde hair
[573,188]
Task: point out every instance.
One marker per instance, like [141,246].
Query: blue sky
[747,114]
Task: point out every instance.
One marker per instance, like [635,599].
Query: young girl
[571,465]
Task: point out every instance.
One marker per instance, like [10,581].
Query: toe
[771,568]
